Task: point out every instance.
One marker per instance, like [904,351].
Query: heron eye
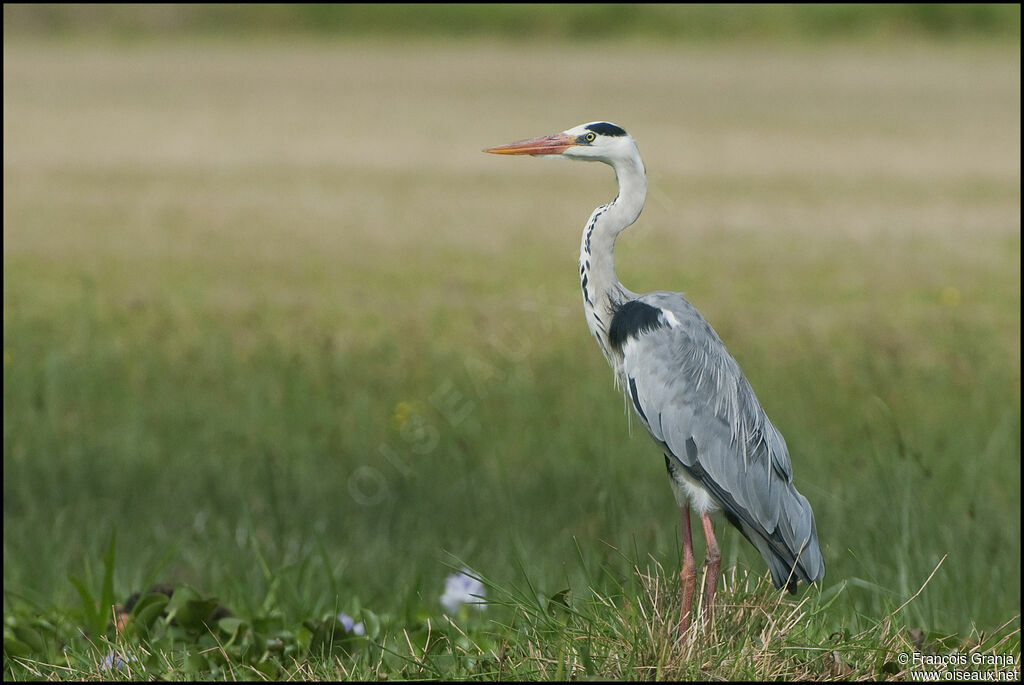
[589,137]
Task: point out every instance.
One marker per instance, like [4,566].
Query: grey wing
[691,396]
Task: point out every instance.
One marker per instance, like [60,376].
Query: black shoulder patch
[632,319]
[606,129]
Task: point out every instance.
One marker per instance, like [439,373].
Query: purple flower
[350,625]
[115,660]
[461,588]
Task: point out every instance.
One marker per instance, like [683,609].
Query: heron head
[596,141]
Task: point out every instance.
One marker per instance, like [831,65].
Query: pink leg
[713,560]
[688,575]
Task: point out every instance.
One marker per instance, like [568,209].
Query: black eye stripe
[606,129]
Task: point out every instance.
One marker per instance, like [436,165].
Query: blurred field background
[271,315]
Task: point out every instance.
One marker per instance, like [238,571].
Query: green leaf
[31,637]
[153,663]
[183,594]
[196,613]
[234,627]
[268,668]
[146,611]
[588,663]
[889,669]
[94,617]
[107,592]
[259,641]
[560,602]
[303,638]
[195,662]
[217,658]
[267,624]
[559,606]
[372,624]
[13,647]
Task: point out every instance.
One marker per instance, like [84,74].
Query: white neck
[602,292]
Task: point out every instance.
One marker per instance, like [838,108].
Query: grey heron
[720,449]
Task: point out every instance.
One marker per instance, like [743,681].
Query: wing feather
[709,420]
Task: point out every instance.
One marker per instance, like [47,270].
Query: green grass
[273,319]
[626,631]
[703,22]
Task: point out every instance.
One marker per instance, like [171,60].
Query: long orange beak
[545,145]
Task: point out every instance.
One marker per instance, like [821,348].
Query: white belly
[690,493]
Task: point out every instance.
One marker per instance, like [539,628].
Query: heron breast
[689,492]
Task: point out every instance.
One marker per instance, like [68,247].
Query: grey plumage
[720,449]
[690,395]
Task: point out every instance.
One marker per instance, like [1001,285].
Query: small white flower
[461,588]
[350,625]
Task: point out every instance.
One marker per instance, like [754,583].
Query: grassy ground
[271,317]
[552,21]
